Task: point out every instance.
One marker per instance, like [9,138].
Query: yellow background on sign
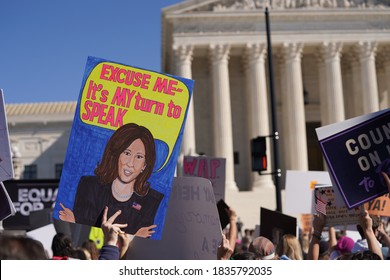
[161,126]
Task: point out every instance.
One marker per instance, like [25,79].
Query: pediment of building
[248,5]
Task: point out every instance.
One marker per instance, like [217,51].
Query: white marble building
[331,61]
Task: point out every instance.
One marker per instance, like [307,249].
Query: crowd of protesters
[374,243]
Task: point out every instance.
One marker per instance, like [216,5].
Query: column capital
[279,56]
[183,53]
[367,49]
[219,53]
[292,51]
[351,57]
[384,54]
[254,52]
[331,50]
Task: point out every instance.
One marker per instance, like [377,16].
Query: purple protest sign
[356,152]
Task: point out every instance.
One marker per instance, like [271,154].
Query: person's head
[344,244]
[360,255]
[131,146]
[82,254]
[21,248]
[62,246]
[90,245]
[289,246]
[263,248]
[244,256]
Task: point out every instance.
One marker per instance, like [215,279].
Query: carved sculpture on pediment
[234,5]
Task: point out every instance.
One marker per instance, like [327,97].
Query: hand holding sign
[387,180]
[224,250]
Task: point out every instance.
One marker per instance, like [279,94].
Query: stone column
[356,84]
[322,88]
[386,66]
[258,104]
[293,107]
[183,59]
[367,51]
[223,134]
[333,82]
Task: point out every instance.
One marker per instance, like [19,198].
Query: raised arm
[111,231]
[232,228]
[224,251]
[387,180]
[366,223]
[318,227]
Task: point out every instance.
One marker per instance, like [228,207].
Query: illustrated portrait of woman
[120,183]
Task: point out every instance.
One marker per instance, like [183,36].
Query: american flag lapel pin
[136,206]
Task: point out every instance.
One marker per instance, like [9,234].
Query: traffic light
[259,153]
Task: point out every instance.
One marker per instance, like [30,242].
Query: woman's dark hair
[360,255]
[21,248]
[90,245]
[62,246]
[244,256]
[107,170]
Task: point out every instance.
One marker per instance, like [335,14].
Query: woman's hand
[146,231]
[224,251]
[66,214]
[387,180]
[319,222]
[111,230]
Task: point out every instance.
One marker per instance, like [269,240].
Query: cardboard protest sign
[123,147]
[379,206]
[299,190]
[6,167]
[335,215]
[45,235]
[192,228]
[7,208]
[29,196]
[357,151]
[223,212]
[274,225]
[210,168]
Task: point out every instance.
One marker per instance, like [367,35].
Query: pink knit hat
[345,244]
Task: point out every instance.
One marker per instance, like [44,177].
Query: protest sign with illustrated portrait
[123,147]
[357,151]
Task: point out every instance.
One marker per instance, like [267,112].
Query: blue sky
[44,44]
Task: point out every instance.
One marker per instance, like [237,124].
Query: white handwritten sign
[299,189]
[210,168]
